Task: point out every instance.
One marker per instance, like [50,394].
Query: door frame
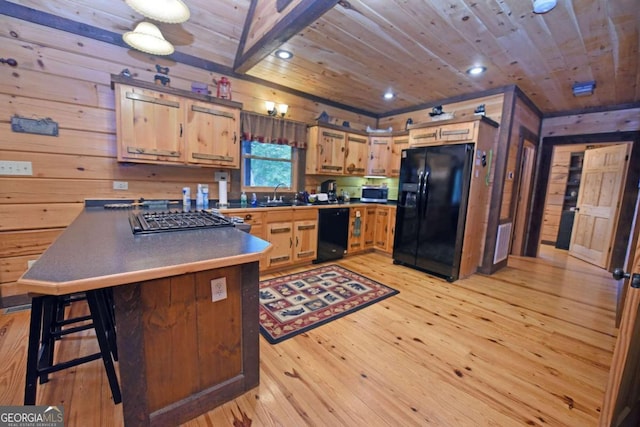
[630,191]
[525,135]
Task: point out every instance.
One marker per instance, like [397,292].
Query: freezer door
[412,170]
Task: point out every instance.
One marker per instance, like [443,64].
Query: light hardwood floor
[529,345]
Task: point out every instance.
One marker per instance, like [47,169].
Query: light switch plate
[220,176]
[218,289]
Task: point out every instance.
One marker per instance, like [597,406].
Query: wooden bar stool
[47,325]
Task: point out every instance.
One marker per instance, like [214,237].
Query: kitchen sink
[275,204]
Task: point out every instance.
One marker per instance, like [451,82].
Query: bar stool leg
[93,299]
[35,328]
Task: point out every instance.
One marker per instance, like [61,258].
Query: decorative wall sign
[37,126]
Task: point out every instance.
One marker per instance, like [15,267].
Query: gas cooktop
[159,222]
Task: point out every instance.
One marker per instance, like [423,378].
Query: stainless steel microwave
[374,194]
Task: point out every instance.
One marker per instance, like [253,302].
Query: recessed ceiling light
[284,54]
[474,71]
[389,95]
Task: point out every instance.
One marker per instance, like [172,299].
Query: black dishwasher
[333,233]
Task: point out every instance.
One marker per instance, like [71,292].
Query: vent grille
[502,243]
[17,308]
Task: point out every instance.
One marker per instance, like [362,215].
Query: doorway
[627,202]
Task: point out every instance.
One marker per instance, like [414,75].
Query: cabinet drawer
[253,218]
[302,214]
[279,216]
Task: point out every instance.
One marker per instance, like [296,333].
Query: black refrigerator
[432,204]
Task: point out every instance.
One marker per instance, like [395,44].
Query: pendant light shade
[169,11]
[147,38]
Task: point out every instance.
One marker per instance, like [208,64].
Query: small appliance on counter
[374,194]
[330,188]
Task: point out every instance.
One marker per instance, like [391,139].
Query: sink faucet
[276,189]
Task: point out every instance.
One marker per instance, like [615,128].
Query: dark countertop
[99,250]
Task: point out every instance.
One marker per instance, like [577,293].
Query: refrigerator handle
[423,194]
[419,193]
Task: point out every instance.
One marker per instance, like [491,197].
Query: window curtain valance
[273,130]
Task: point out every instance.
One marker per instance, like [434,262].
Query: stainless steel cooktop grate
[158,222]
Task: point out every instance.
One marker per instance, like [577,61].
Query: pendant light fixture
[168,11]
[147,38]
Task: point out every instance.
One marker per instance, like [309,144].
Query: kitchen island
[180,353]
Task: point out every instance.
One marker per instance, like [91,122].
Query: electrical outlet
[218,289]
[120,185]
[220,176]
[8,167]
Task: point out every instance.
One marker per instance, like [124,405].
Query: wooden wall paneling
[526,123]
[12,268]
[25,190]
[624,120]
[38,216]
[69,141]
[19,243]
[493,106]
[482,186]
[495,202]
[67,115]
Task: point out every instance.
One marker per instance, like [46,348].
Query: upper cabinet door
[355,162]
[213,135]
[332,148]
[379,151]
[326,151]
[149,125]
[398,143]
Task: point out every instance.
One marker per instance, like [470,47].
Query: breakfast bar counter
[186,309]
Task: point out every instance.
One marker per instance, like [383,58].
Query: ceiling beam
[301,16]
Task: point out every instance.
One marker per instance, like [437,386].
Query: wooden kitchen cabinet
[379,152]
[436,133]
[294,236]
[385,228]
[149,125]
[157,124]
[398,143]
[212,135]
[357,219]
[326,151]
[369,227]
[355,162]
[257,221]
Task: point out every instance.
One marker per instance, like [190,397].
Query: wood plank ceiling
[418,49]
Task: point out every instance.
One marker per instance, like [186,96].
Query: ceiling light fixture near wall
[476,70]
[284,54]
[169,11]
[146,37]
[583,88]
[389,95]
[543,6]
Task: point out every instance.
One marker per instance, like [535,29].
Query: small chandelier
[168,11]
[146,37]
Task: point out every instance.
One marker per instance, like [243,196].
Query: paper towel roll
[222,193]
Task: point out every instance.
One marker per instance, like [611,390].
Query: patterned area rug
[296,303]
